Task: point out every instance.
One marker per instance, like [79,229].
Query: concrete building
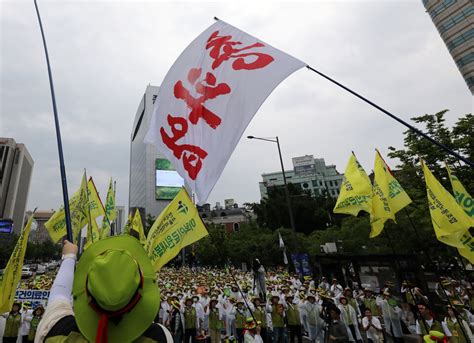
[309,173]
[454,20]
[121,219]
[231,216]
[16,167]
[40,233]
[148,191]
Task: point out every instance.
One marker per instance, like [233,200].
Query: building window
[441,8]
[236,227]
[462,38]
[469,58]
[223,214]
[452,21]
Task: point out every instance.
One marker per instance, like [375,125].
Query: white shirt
[428,323]
[372,332]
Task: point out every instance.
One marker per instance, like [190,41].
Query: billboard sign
[168,182]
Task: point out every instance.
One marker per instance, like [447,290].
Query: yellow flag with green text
[381,210]
[95,204]
[128,224]
[450,222]
[93,234]
[12,273]
[110,212]
[356,190]
[464,200]
[79,211]
[177,226]
[137,225]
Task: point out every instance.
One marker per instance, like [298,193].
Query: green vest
[372,306]
[354,304]
[277,319]
[293,315]
[214,322]
[12,326]
[346,314]
[190,318]
[456,331]
[436,326]
[33,326]
[240,319]
[260,316]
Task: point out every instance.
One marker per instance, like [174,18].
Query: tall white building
[309,173]
[16,167]
[153,181]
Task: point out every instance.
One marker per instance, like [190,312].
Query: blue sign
[301,263]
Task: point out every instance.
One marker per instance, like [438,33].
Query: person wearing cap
[175,321]
[114,292]
[435,336]
[252,332]
[293,319]
[230,317]
[427,322]
[337,331]
[190,321]
[452,327]
[34,321]
[372,327]
[26,315]
[391,315]
[278,323]
[241,315]
[370,302]
[12,324]
[324,284]
[349,318]
[215,321]
[314,321]
[336,289]
[261,317]
[348,294]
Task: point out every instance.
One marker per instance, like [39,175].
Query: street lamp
[287,193]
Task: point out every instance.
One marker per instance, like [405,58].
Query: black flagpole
[58,136]
[401,121]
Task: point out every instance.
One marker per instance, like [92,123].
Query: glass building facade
[454,20]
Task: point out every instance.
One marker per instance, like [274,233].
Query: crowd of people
[216,305]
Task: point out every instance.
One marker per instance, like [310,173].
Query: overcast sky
[104,54]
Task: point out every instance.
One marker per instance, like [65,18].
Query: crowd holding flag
[356,190]
[179,225]
[11,275]
[208,98]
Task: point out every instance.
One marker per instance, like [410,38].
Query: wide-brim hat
[114,278]
[434,336]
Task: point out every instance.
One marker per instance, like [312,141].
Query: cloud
[104,54]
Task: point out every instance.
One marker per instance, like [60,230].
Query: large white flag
[208,98]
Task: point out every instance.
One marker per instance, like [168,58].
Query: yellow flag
[356,190]
[463,198]
[12,274]
[177,226]
[450,222]
[110,212]
[78,207]
[95,204]
[128,224]
[93,234]
[137,225]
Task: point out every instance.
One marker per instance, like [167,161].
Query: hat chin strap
[102,332]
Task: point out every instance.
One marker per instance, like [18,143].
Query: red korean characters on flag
[208,98]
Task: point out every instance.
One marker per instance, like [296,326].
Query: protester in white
[336,289]
[372,327]
[315,323]
[26,316]
[451,327]
[165,309]
[324,285]
[391,314]
[230,317]
[349,318]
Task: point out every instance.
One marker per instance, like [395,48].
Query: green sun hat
[434,337]
[114,279]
